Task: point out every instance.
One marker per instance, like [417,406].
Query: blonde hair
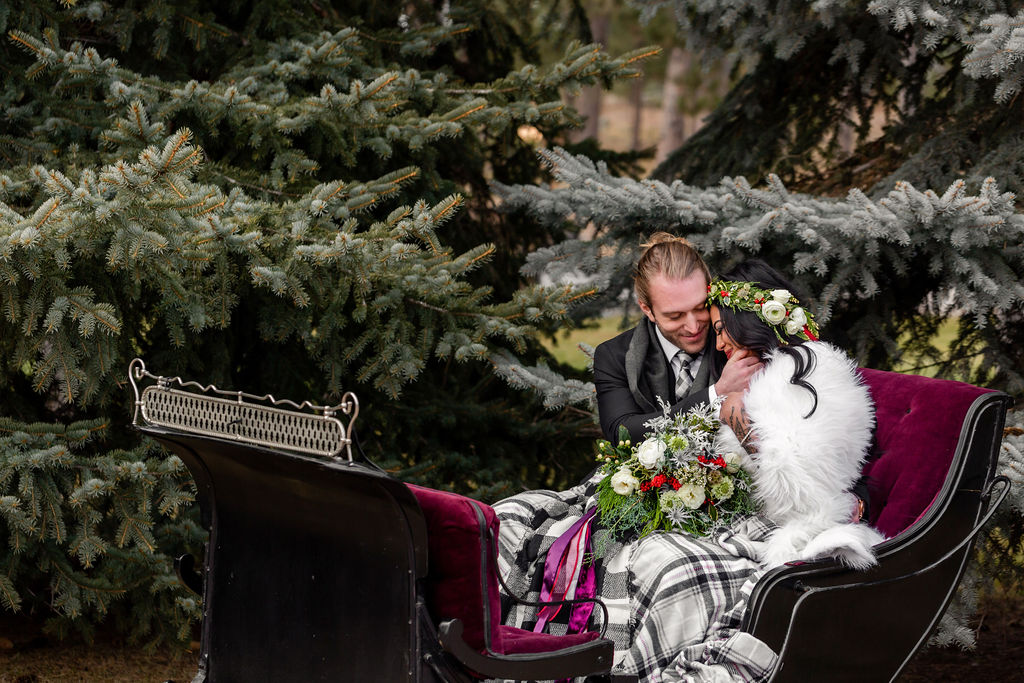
[668,255]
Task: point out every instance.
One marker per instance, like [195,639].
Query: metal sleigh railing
[261,420]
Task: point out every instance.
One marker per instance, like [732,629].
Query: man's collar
[668,347]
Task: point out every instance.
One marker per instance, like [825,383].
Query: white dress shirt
[671,350]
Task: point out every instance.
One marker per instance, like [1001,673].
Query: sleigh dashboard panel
[312,560]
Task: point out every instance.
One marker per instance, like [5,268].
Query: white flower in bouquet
[733,460]
[781,295]
[722,490]
[690,495]
[624,483]
[773,312]
[669,500]
[651,453]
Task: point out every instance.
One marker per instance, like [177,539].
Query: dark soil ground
[27,656]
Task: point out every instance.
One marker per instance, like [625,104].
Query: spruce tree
[267,197]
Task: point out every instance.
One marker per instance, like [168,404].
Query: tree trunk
[590,98]
[636,99]
[673,126]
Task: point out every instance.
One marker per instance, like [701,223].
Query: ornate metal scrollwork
[261,420]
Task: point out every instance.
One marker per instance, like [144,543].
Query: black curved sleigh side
[322,568]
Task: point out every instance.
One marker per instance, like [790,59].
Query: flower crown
[773,306]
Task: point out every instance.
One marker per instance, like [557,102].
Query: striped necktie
[684,379]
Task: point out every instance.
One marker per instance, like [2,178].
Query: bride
[675,601]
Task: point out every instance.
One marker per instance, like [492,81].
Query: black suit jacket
[631,371]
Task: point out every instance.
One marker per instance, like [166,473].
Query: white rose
[651,453]
[691,495]
[781,295]
[799,316]
[793,327]
[773,312]
[732,461]
[624,483]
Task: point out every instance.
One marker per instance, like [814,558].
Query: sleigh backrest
[919,421]
[459,586]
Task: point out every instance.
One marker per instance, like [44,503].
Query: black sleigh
[321,567]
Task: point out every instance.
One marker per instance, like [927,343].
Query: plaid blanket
[674,601]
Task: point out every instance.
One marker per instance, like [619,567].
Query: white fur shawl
[805,465]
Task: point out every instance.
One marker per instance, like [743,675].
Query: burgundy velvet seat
[461,591]
[919,420]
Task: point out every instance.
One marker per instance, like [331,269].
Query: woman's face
[723,342]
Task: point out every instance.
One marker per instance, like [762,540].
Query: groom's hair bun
[669,255]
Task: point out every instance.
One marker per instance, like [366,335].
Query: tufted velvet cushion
[518,641]
[453,576]
[919,420]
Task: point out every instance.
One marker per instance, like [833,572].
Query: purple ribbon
[561,564]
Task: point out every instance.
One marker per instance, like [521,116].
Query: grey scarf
[643,361]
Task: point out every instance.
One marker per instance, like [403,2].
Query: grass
[565,346]
[942,340]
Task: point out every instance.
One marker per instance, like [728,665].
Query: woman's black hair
[749,331]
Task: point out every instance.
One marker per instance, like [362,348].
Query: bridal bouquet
[676,479]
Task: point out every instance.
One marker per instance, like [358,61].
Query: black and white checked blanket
[674,601]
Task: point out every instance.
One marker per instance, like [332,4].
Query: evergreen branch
[438,309]
[652,52]
[251,186]
[484,254]
[201,25]
[467,113]
[385,81]
[53,204]
[11,599]
[22,39]
[474,91]
[65,572]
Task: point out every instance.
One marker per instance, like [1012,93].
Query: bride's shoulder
[821,351]
[820,359]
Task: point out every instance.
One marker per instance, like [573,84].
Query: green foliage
[91,533]
[862,94]
[270,197]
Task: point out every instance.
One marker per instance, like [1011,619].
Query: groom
[671,353]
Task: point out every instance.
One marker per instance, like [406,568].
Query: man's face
[679,309]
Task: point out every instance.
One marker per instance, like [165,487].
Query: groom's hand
[737,372]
